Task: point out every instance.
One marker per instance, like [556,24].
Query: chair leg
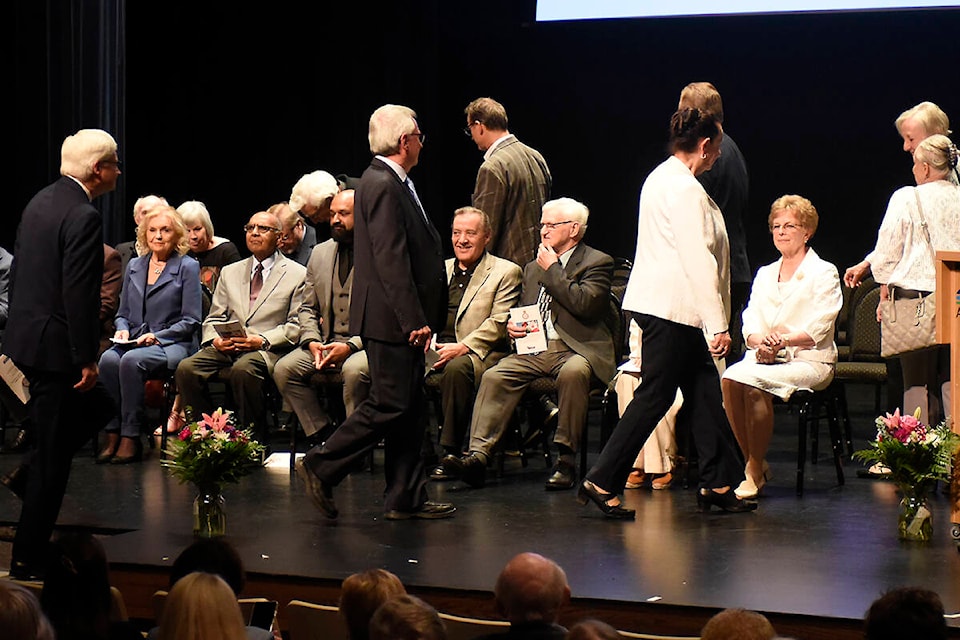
[294,426]
[840,398]
[836,439]
[804,414]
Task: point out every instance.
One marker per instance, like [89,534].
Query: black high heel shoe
[136,457]
[110,450]
[588,492]
[727,501]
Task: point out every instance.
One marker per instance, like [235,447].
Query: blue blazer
[175,305]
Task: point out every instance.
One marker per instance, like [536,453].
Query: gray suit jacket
[481,323]
[581,302]
[273,316]
[316,314]
[512,186]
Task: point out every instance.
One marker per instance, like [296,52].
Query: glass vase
[209,517]
[914,522]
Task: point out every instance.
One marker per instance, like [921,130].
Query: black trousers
[673,356]
[64,419]
[393,412]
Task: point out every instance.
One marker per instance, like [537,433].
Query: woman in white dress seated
[788,328]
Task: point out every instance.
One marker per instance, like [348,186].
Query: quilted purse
[908,324]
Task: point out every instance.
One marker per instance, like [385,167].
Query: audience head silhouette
[531,588]
[211,555]
[406,618]
[20,614]
[201,606]
[738,624]
[906,612]
[591,629]
[362,594]
[76,587]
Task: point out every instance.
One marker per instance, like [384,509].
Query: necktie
[543,301]
[344,262]
[409,184]
[256,283]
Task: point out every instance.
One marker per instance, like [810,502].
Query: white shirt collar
[397,169]
[497,143]
[82,186]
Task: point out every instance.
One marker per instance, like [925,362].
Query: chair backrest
[309,621]
[864,330]
[618,321]
[461,628]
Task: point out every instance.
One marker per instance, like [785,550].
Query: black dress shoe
[320,494]
[427,511]
[551,413]
[588,492]
[729,502]
[470,468]
[25,572]
[438,473]
[16,481]
[564,476]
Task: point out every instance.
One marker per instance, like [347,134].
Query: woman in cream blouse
[788,328]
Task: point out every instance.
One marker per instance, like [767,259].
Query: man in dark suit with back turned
[398,301]
[53,333]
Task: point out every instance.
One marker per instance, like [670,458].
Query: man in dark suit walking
[398,301]
[53,333]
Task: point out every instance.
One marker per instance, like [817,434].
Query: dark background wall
[231,103]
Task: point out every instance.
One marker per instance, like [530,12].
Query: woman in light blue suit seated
[157,326]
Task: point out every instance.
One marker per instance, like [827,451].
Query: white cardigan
[808,302]
[681,271]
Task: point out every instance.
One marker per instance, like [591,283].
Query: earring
[703,156]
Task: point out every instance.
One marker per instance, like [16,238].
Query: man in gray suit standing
[513,182]
[263,294]
[570,282]
[326,342]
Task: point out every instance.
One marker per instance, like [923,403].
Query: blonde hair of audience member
[201,606]
[387,125]
[82,151]
[194,212]
[531,588]
[313,190]
[703,96]
[406,618]
[176,221]
[488,112]
[21,617]
[592,629]
[738,624]
[572,210]
[362,594]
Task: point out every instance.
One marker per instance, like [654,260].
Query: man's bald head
[530,588]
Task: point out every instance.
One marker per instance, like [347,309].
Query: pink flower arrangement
[212,450]
[904,429]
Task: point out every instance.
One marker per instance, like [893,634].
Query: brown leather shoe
[320,494]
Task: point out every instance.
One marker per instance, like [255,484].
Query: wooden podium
[948,332]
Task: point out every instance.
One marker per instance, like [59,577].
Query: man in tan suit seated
[263,294]
[570,282]
[482,288]
[326,343]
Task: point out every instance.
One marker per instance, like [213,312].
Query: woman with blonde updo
[903,260]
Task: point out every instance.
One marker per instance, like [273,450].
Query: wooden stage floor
[812,564]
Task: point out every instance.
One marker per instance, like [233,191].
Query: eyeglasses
[259,228]
[116,163]
[422,136]
[550,226]
[468,130]
[786,227]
